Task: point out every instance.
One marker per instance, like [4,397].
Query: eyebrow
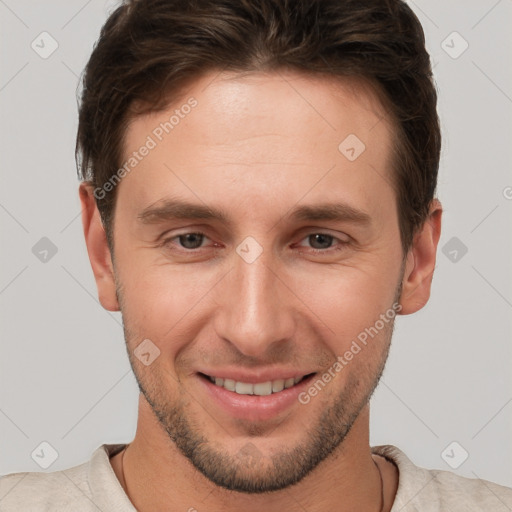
[174,209]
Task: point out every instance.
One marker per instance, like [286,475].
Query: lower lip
[255,407]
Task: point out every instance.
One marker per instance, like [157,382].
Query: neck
[349,479]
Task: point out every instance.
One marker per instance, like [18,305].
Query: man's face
[261,295]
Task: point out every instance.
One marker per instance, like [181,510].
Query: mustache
[283,355]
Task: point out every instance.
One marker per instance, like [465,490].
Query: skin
[257,146]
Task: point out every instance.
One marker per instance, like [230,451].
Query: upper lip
[255,376]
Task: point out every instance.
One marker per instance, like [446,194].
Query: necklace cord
[381,487]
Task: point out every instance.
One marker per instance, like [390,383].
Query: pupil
[325,238]
[185,239]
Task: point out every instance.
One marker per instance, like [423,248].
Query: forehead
[229,99]
[240,103]
[254,131]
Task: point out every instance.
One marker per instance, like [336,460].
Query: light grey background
[64,373]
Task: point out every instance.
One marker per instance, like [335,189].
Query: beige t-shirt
[93,486]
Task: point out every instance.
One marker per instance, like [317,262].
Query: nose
[256,306]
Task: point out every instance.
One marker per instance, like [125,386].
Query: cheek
[161,301]
[348,299]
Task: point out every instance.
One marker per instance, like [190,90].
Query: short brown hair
[149,49]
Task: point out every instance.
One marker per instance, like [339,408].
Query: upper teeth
[261,389]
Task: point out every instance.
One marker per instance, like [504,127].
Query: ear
[97,248]
[421,261]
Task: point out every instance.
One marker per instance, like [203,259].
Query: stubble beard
[249,471]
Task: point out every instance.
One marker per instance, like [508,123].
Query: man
[259,202]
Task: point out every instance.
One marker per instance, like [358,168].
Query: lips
[253,396]
[261,388]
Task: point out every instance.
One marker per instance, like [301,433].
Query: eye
[323,242]
[187,241]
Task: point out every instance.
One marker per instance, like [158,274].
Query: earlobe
[420,263]
[97,248]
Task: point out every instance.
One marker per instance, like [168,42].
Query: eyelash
[341,243]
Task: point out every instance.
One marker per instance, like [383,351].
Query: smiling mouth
[260,389]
